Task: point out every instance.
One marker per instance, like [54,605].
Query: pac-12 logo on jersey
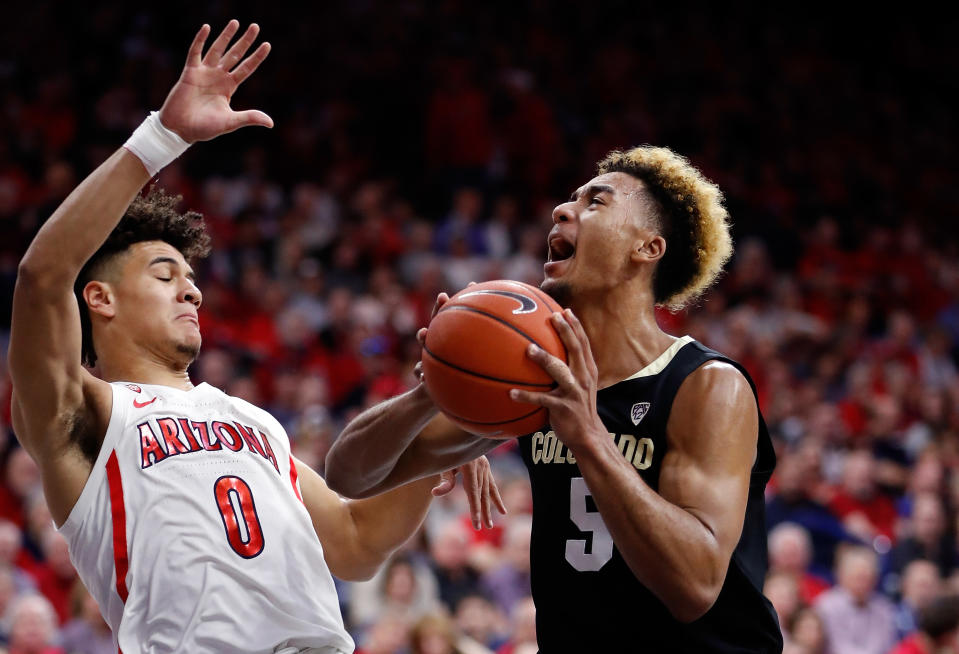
[638,412]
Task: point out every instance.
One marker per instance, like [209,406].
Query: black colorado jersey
[587,598]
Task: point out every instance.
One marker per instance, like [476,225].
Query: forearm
[668,549]
[384,522]
[364,458]
[84,220]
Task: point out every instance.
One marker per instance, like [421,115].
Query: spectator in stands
[86,632]
[402,588]
[522,629]
[56,575]
[856,618]
[390,634]
[807,634]
[921,584]
[435,633]
[925,537]
[13,558]
[792,501]
[863,509]
[782,590]
[450,561]
[938,629]
[8,597]
[21,480]
[790,553]
[479,619]
[33,627]
[508,582]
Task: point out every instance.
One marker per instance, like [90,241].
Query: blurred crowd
[420,147]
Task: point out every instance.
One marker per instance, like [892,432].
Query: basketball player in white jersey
[187,516]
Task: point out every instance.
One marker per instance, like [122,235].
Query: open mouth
[560,249]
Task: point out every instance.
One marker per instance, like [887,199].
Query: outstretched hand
[481,490]
[198,106]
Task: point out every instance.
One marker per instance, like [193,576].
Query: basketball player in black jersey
[648,482]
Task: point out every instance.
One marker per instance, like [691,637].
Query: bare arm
[677,542]
[406,438]
[358,535]
[395,442]
[399,440]
[58,403]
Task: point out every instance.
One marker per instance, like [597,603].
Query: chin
[188,350]
[560,291]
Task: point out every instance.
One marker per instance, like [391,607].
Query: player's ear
[651,248]
[100,298]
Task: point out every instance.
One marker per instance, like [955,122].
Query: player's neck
[623,333]
[144,369]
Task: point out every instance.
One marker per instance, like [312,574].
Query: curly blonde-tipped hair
[691,215]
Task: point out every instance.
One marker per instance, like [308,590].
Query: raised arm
[59,407]
[679,541]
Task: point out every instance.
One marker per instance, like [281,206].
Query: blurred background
[420,146]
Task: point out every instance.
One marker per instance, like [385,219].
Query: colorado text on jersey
[546,448]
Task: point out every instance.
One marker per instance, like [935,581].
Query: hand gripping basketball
[474,352]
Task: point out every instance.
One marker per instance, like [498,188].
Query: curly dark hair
[153,217]
[691,215]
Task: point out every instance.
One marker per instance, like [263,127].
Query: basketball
[475,352]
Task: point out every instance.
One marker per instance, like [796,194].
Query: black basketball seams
[482,376]
[495,422]
[483,312]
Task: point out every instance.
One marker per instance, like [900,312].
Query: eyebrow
[173,262]
[593,189]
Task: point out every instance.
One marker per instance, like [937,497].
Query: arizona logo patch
[638,412]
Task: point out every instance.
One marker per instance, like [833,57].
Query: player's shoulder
[709,365]
[248,408]
[712,377]
[717,377]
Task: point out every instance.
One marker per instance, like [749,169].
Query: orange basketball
[476,352]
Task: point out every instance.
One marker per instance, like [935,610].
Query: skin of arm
[395,442]
[401,440]
[359,535]
[677,542]
[57,402]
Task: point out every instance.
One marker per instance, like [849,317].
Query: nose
[563,212]
[190,293]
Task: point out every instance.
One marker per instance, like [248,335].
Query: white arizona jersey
[191,532]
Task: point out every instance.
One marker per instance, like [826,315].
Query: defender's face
[593,236]
[157,300]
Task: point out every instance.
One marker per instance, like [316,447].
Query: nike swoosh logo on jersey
[140,405]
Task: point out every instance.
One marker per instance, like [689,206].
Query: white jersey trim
[659,363]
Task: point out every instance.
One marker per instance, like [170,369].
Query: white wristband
[155,145]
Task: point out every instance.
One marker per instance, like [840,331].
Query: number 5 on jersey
[242,524]
[590,522]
